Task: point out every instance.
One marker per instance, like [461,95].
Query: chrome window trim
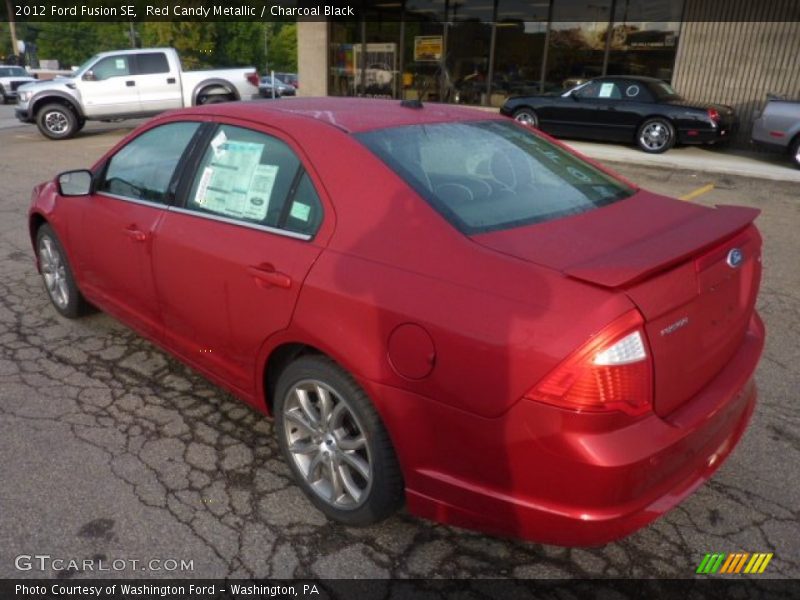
[149,203]
[291,234]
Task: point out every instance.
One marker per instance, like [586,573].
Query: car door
[575,112]
[229,262]
[599,99]
[159,87]
[120,218]
[109,87]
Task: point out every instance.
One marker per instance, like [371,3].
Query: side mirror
[75,183]
[89,76]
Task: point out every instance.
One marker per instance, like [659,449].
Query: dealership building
[482,51]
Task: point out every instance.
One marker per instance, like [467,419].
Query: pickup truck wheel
[795,151]
[214,99]
[57,121]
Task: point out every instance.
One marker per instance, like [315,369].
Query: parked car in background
[11,78]
[290,78]
[127,84]
[642,110]
[778,126]
[267,85]
[438,306]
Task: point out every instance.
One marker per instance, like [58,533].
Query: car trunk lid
[673,260]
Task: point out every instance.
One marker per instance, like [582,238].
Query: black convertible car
[625,109]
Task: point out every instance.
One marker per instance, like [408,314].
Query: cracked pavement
[112,449]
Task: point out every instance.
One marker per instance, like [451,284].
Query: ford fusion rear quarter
[460,314]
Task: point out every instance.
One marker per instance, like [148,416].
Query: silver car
[778,126]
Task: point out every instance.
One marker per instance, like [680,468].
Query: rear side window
[492,175]
[252,177]
[143,169]
[151,63]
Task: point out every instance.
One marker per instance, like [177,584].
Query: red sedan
[439,307]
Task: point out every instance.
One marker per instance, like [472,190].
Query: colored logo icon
[736,563]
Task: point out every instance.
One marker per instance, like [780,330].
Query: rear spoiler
[660,252]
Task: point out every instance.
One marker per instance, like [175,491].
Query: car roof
[640,78]
[352,115]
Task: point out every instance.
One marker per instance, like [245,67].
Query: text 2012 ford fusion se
[438,307]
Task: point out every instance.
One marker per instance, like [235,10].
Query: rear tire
[213,99]
[57,275]
[57,121]
[335,443]
[655,135]
[527,116]
[794,151]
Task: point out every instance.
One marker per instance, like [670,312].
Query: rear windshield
[492,175]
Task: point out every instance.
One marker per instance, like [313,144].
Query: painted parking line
[698,192]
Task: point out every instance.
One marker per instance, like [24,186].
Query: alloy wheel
[54,272]
[327,444]
[56,122]
[655,136]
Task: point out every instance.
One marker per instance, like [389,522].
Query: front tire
[526,116]
[335,443]
[57,121]
[57,275]
[655,135]
[3,96]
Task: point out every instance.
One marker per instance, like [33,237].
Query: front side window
[143,168]
[111,66]
[255,178]
[491,175]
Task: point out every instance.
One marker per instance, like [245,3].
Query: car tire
[57,121]
[527,116]
[57,275]
[3,96]
[655,135]
[794,151]
[335,443]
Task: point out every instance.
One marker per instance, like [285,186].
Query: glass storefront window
[482,51]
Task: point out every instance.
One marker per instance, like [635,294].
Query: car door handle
[130,83]
[135,234]
[170,80]
[266,275]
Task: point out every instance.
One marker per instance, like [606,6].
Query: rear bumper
[562,477]
[720,134]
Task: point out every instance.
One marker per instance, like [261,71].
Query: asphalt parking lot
[111,449]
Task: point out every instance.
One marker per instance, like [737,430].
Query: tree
[282,48]
[195,42]
[73,43]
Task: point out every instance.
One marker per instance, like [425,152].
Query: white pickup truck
[127,84]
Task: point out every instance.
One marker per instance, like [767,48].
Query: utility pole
[12,27]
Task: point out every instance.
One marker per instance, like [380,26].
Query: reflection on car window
[254,178]
[491,175]
[144,167]
[111,66]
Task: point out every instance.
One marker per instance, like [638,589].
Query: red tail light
[713,114]
[611,372]
[252,77]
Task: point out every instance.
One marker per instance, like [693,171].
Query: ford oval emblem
[735,258]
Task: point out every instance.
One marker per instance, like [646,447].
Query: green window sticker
[300,211]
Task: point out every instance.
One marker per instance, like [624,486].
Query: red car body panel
[447,333]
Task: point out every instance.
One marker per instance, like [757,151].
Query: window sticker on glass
[228,187]
[300,211]
[606,90]
[120,63]
[260,191]
[218,141]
